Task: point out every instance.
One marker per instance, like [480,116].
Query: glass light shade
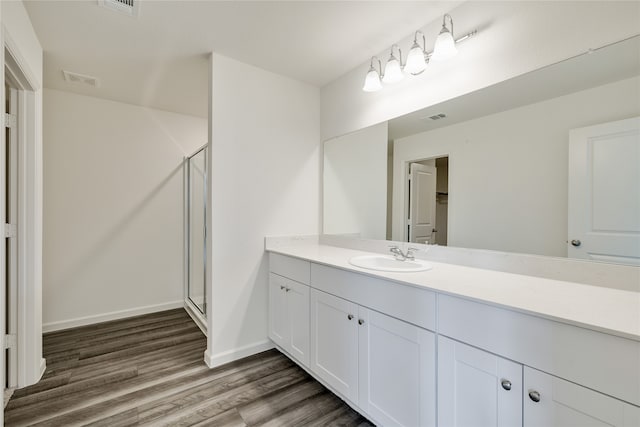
[415,61]
[392,71]
[372,81]
[445,47]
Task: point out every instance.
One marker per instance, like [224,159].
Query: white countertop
[607,310]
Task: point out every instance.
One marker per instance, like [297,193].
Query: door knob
[534,395]
[576,243]
[360,321]
[506,384]
[350,316]
[282,288]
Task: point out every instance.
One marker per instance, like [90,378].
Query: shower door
[196,230]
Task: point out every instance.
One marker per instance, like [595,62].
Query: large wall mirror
[547,163]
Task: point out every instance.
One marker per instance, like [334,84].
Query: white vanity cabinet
[379,345]
[383,365]
[334,342]
[552,401]
[289,316]
[289,306]
[476,388]
[397,371]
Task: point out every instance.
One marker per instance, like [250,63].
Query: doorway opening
[427,196]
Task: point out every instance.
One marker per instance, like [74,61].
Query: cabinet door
[397,371]
[334,342]
[550,401]
[298,321]
[476,388]
[278,318]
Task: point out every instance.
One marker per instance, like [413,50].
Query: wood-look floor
[149,370]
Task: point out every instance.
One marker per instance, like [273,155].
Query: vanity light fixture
[445,47]
[418,58]
[393,69]
[372,81]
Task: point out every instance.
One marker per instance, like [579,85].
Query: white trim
[43,367]
[213,361]
[113,315]
[29,215]
[19,59]
[3,303]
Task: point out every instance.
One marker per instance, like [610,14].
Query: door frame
[31,365]
[196,313]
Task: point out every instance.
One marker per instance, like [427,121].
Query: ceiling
[159,59]
[595,68]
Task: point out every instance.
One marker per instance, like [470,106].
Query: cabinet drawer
[293,268]
[596,360]
[413,305]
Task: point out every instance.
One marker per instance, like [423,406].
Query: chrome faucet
[401,256]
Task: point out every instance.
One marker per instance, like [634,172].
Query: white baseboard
[43,367]
[105,317]
[215,360]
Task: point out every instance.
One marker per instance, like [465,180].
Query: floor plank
[149,371]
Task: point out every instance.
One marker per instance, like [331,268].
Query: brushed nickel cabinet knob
[534,395]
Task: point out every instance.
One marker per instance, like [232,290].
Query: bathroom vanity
[455,345]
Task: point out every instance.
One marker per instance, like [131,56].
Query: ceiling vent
[82,79]
[126,7]
[436,117]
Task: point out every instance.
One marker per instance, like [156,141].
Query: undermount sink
[389,263]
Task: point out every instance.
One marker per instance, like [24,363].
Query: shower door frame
[197,313]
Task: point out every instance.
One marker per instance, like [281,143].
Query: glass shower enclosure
[196,232]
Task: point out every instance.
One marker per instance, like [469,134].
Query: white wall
[265,165]
[508,171]
[514,38]
[113,204]
[355,183]
[19,38]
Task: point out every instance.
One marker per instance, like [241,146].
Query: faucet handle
[397,252]
[410,252]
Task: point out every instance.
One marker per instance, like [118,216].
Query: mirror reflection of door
[604,192]
[427,190]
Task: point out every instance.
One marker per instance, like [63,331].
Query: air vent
[82,79]
[436,117]
[126,7]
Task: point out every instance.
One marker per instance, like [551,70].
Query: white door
[278,317]
[552,402]
[334,342]
[476,388]
[604,192]
[422,203]
[397,371]
[298,320]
